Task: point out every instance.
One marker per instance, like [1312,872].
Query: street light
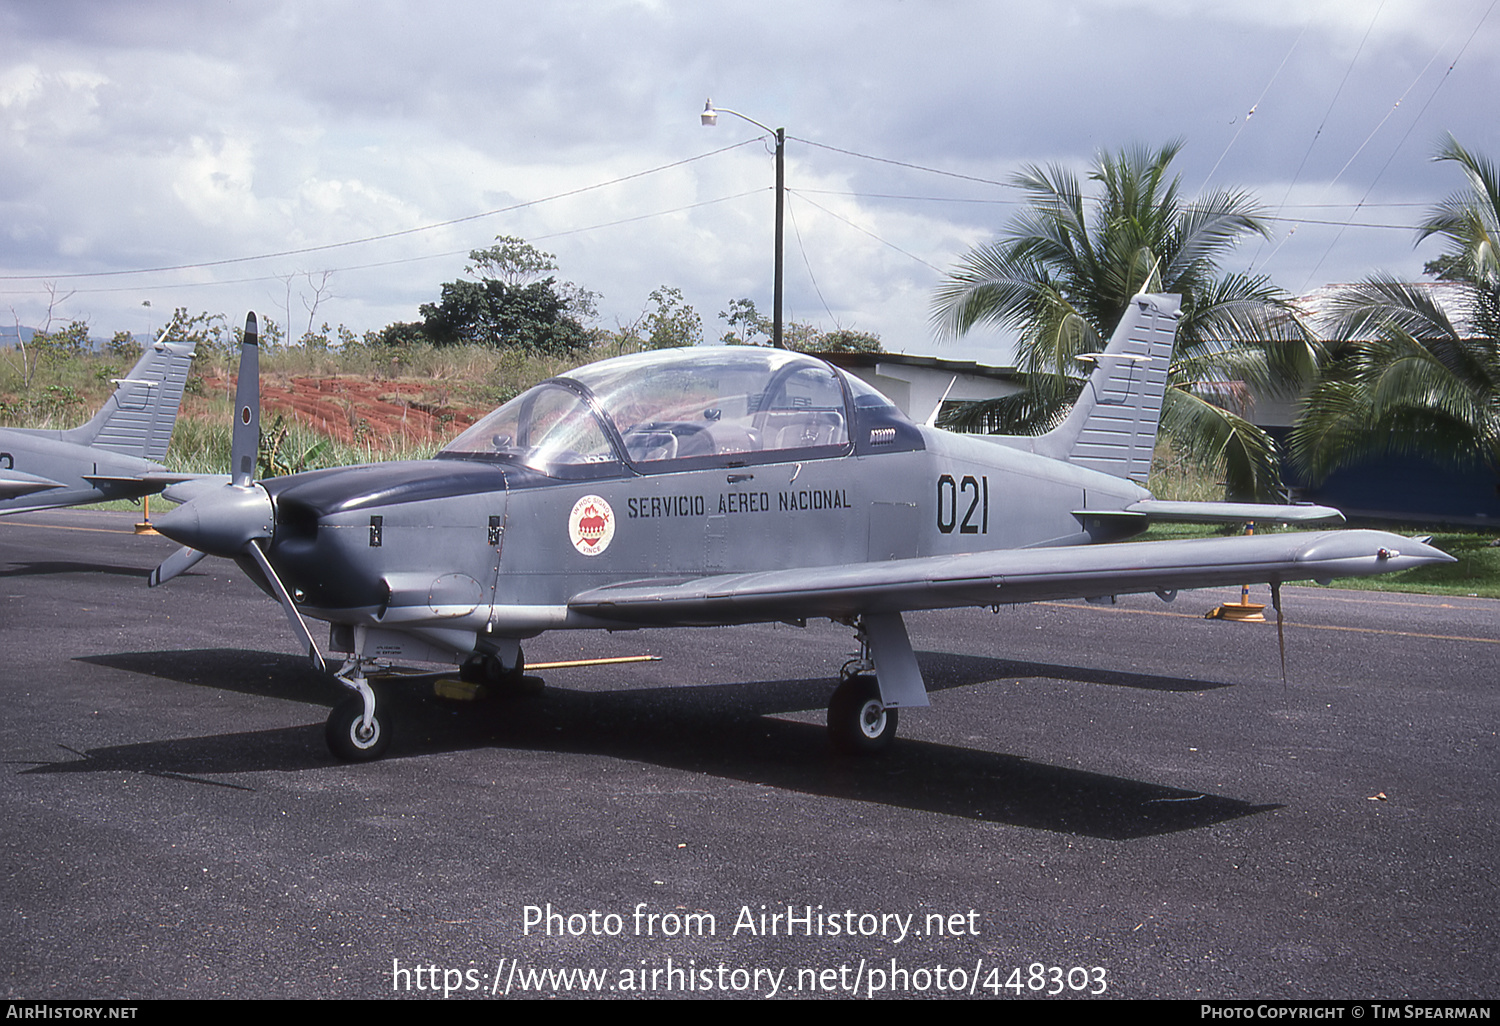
[710,118]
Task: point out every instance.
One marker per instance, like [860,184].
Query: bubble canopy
[677,408]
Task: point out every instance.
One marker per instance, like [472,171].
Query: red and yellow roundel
[591,525]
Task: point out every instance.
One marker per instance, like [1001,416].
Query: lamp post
[711,117]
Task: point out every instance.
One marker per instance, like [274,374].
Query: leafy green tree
[123,344]
[400,333]
[745,323]
[316,340]
[492,313]
[1469,219]
[66,343]
[209,332]
[512,260]
[801,336]
[1417,366]
[272,335]
[748,327]
[674,322]
[511,305]
[1065,269]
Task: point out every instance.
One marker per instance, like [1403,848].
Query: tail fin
[137,420]
[1112,427]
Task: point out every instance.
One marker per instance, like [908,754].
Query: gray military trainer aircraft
[116,455]
[730,485]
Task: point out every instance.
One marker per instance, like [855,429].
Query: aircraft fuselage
[78,473]
[478,549]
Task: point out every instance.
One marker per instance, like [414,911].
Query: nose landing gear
[353,731]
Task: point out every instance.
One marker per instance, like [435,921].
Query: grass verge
[1475,575]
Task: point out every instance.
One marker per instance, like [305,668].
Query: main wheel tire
[858,722]
[347,741]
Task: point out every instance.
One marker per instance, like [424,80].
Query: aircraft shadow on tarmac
[731,731]
[48,567]
[949,670]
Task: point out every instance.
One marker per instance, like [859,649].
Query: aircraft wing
[1004,577]
[14,484]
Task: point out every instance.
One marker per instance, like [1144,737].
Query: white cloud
[164,133]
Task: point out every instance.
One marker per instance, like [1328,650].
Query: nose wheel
[353,732]
[350,737]
[858,721]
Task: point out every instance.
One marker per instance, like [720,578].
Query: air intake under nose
[296,521]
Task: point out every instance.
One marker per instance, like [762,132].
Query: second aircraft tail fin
[137,420]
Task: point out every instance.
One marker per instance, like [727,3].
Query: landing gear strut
[859,722]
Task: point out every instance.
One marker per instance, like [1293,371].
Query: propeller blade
[299,625]
[245,442]
[228,520]
[181,561]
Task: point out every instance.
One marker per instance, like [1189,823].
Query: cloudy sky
[223,156]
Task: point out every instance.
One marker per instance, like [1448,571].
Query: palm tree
[1417,369]
[1065,270]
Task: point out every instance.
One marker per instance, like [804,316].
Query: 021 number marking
[952,495]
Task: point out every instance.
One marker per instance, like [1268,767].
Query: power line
[1297,175]
[902,163]
[1451,65]
[377,238]
[871,234]
[1096,200]
[658,213]
[808,263]
[400,260]
[1255,106]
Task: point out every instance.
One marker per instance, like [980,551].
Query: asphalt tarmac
[1120,801]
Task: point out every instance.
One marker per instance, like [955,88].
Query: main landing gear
[862,714]
[858,722]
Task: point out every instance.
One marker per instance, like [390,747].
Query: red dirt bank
[354,409]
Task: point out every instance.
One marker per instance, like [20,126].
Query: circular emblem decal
[591,525]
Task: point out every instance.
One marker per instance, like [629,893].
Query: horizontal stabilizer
[1235,512]
[1006,577]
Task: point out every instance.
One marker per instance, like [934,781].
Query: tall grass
[201,445]
[63,394]
[1177,476]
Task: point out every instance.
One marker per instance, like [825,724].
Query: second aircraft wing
[13,483]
